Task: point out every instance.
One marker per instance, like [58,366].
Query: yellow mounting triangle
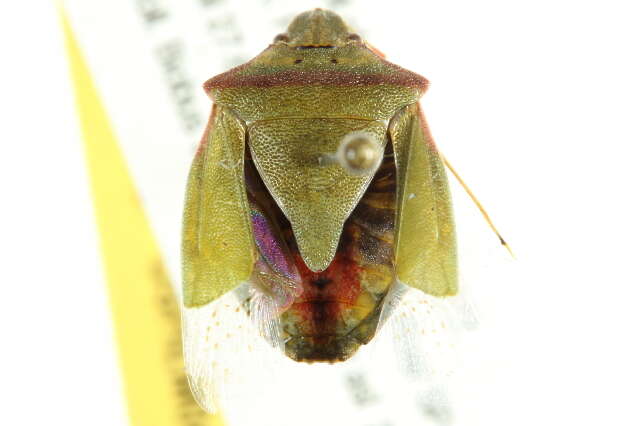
[145,310]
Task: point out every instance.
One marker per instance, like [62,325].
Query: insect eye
[281,37]
[354,37]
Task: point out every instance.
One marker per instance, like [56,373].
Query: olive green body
[342,239]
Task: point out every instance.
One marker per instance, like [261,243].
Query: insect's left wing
[217,256]
[227,352]
[238,272]
[217,241]
[425,237]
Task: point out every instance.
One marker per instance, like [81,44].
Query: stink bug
[316,191]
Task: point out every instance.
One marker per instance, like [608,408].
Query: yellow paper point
[145,310]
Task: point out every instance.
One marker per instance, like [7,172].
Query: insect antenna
[477,203]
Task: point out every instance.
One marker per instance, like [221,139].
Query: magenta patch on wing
[276,269]
[273,250]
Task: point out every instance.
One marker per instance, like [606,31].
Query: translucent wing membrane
[416,349]
[233,352]
[425,330]
[229,346]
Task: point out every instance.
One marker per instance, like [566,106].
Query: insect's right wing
[425,330]
[217,242]
[425,311]
[425,234]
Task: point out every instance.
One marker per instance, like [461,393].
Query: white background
[536,104]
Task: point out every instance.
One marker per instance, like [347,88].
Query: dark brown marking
[321,282]
[328,46]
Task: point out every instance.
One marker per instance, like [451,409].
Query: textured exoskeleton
[271,205]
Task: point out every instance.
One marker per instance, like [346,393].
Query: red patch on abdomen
[326,294]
